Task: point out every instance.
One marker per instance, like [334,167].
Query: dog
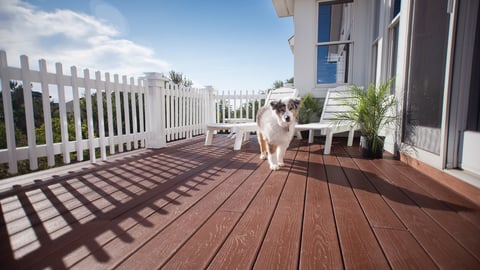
[275,129]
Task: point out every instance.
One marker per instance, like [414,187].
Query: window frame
[348,65]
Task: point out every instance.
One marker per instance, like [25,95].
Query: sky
[231,45]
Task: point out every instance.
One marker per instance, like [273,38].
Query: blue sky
[232,45]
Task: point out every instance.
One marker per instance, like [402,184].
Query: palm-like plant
[371,110]
[309,107]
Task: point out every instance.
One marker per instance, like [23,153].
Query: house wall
[305,54]
[362,37]
[304,20]
[362,68]
[305,26]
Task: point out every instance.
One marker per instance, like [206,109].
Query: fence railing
[64,117]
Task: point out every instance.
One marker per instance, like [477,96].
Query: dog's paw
[274,167]
[263,156]
[281,164]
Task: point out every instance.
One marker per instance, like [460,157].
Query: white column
[155,110]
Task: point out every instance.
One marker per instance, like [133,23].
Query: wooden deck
[193,207]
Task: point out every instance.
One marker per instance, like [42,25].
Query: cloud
[73,38]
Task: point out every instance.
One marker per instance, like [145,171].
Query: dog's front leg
[263,146]
[280,154]
[272,157]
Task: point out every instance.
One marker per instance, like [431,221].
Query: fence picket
[63,113]
[141,96]
[125,90]
[8,115]
[108,93]
[27,98]
[88,102]
[101,124]
[119,114]
[76,114]
[47,115]
[133,93]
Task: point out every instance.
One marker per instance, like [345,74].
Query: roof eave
[284,8]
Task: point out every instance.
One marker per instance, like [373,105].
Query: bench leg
[310,135]
[328,142]
[298,134]
[350,137]
[247,136]
[238,140]
[209,137]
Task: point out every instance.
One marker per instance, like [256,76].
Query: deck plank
[159,248]
[241,247]
[280,248]
[445,251]
[402,250]
[358,243]
[446,213]
[200,249]
[320,247]
[377,211]
[92,228]
[199,183]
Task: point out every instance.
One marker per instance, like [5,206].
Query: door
[464,116]
[427,60]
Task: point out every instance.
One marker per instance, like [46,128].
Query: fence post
[155,110]
[210,105]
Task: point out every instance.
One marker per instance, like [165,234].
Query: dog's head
[285,110]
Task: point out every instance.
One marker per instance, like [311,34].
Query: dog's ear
[295,102]
[273,104]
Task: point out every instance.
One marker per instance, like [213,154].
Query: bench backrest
[279,93]
[335,102]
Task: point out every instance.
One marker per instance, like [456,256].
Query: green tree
[179,78]
[277,84]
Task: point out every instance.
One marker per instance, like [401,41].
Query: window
[376,33]
[333,43]
[393,42]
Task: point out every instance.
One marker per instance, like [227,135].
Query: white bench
[335,102]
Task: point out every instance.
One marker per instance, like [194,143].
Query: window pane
[373,71]
[396,8]
[324,23]
[332,61]
[393,52]
[376,19]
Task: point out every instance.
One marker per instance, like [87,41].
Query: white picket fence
[155,112]
[131,137]
[185,112]
[233,106]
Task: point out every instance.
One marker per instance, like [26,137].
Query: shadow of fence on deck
[43,223]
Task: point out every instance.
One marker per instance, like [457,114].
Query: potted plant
[309,107]
[371,111]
